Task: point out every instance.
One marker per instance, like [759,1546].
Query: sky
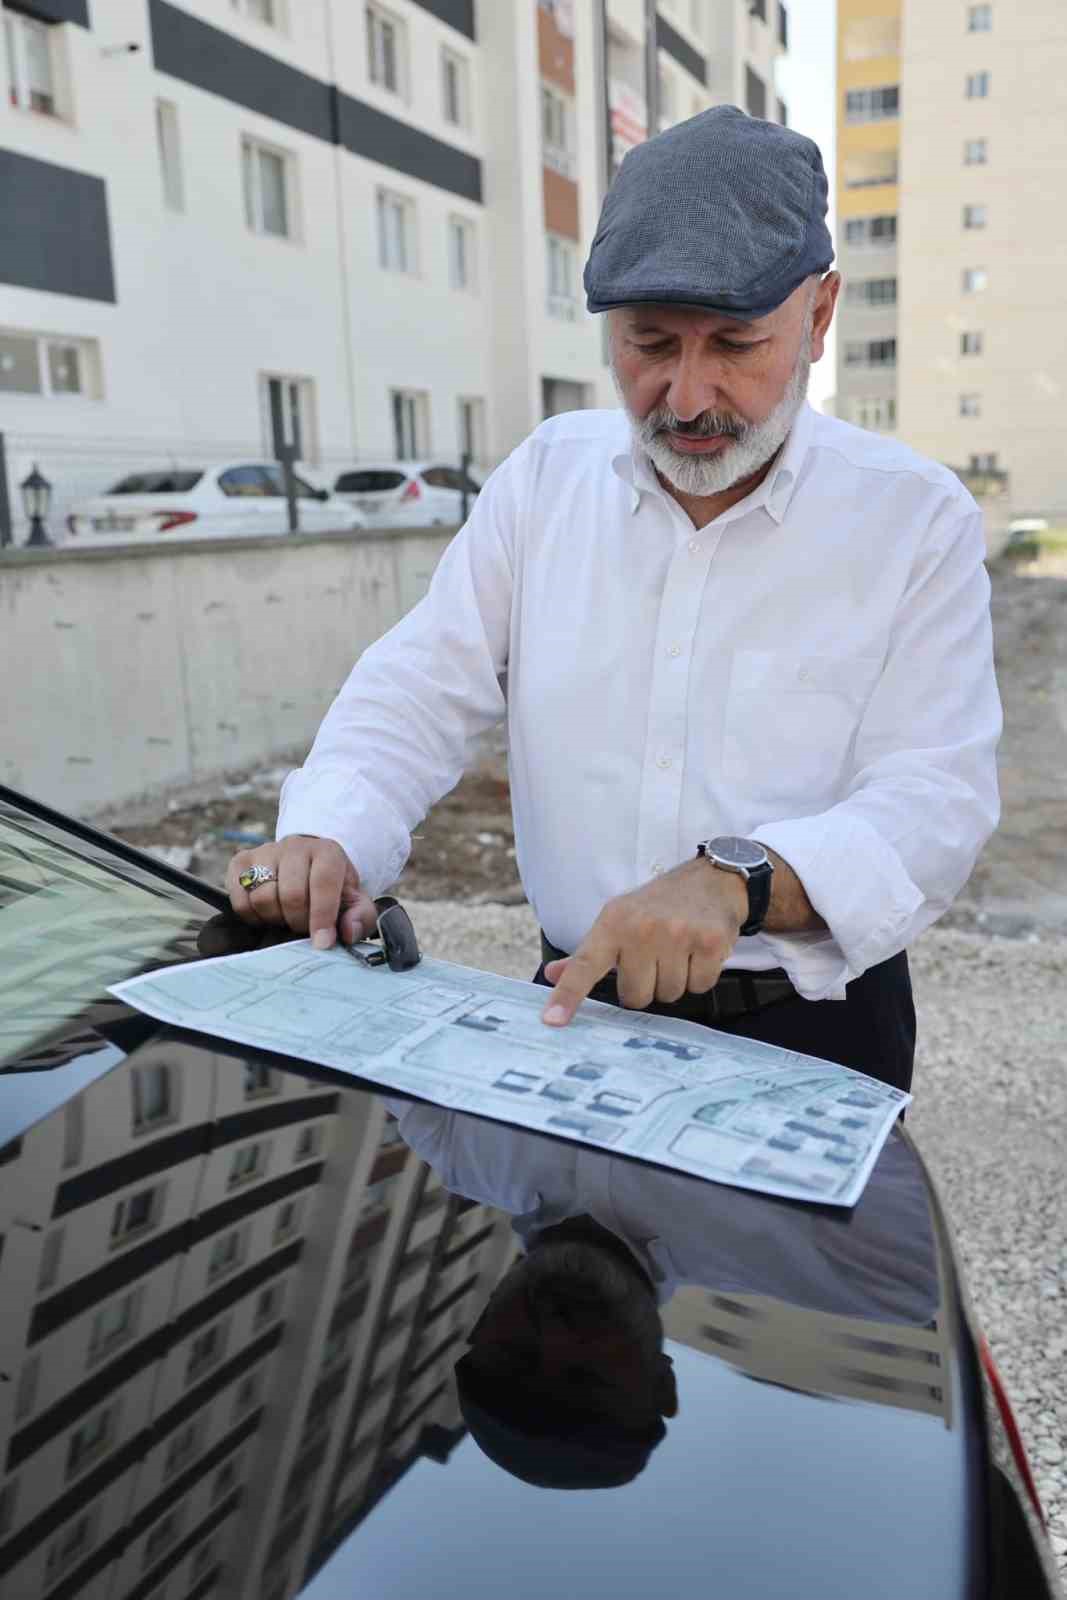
[806,84]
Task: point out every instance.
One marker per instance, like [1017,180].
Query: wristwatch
[751,862]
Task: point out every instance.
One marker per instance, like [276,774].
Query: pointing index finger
[593,959]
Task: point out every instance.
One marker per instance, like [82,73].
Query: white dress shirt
[813,669]
[876,1260]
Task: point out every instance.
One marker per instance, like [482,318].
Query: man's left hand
[669,937]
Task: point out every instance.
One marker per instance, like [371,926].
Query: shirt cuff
[846,868]
[346,810]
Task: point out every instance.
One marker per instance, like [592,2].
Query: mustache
[709,425]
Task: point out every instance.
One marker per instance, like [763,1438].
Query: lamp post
[36,499]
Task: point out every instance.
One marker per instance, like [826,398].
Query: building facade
[952,152]
[360,228]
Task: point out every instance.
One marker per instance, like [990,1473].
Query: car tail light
[412,490]
[1010,1426]
[174,519]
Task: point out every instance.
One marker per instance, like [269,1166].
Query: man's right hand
[317,891]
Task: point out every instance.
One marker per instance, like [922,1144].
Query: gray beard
[754,443]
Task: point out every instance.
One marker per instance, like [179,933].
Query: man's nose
[693,387]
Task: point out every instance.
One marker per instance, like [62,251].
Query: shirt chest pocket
[790,723]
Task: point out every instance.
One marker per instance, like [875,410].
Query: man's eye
[728,344]
[651,349]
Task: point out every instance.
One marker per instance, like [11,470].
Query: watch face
[742,852]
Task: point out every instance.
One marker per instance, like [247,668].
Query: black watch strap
[759,898]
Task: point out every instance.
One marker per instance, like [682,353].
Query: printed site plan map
[683,1096]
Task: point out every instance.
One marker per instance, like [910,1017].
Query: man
[751,707]
[566,1380]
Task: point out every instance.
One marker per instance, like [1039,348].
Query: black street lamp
[36,499]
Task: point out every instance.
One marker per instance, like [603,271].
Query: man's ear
[666,1388]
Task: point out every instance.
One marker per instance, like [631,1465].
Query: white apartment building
[361,223]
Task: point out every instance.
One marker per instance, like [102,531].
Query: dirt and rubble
[465,850]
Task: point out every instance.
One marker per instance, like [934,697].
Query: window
[114,1324]
[471,443]
[783,28]
[30,78]
[268,1306]
[206,1350]
[971,344]
[309,1142]
[874,411]
[33,363]
[871,353]
[268,177]
[975,279]
[245,483]
[287,406]
[182,1447]
[248,1163]
[396,232]
[170,158]
[976,152]
[979,19]
[74,1542]
[385,49]
[755,93]
[970,405]
[73,1131]
[90,1441]
[978,85]
[136,1214]
[287,1220]
[411,432]
[268,11]
[556,120]
[153,1096]
[227,1253]
[259,1080]
[51,1249]
[974,216]
[455,89]
[873,105]
[163,1535]
[225,1479]
[870,232]
[461,254]
[562,274]
[26,1393]
[871,292]
[248,1394]
[203,1560]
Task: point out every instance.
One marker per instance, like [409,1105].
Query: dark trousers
[871,1030]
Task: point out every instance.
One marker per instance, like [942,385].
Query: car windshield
[74,920]
[166,481]
[376,481]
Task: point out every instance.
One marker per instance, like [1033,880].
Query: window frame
[460,227]
[169,154]
[121,1235]
[418,403]
[975,217]
[976,287]
[221,1265]
[17,30]
[376,18]
[978,85]
[980,18]
[872,104]
[970,404]
[461,77]
[146,1123]
[561,295]
[220,1332]
[44,344]
[101,1347]
[402,206]
[253,149]
[107,1436]
[241,1172]
[174,1515]
[281,1235]
[972,342]
[970,147]
[55,1564]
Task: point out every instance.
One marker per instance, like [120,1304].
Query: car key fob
[400,947]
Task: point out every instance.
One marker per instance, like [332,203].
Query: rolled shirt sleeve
[402,729]
[923,798]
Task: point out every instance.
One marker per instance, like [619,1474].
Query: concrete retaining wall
[125,671]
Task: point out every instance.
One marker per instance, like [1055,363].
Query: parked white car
[407,494]
[237,499]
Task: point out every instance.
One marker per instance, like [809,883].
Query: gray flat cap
[723,211]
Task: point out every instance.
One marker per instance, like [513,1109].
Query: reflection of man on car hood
[566,1382]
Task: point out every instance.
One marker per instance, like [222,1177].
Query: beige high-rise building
[953,329]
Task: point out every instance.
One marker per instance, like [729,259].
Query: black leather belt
[736,994]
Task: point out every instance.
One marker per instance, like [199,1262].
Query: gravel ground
[990,1117]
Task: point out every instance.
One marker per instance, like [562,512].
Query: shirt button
[694,548]
[675,650]
[657,868]
[663,761]
[803,674]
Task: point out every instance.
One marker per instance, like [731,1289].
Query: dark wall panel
[53,10]
[669,39]
[213,60]
[459,14]
[55,234]
[367,132]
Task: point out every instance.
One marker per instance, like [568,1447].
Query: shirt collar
[633,466]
